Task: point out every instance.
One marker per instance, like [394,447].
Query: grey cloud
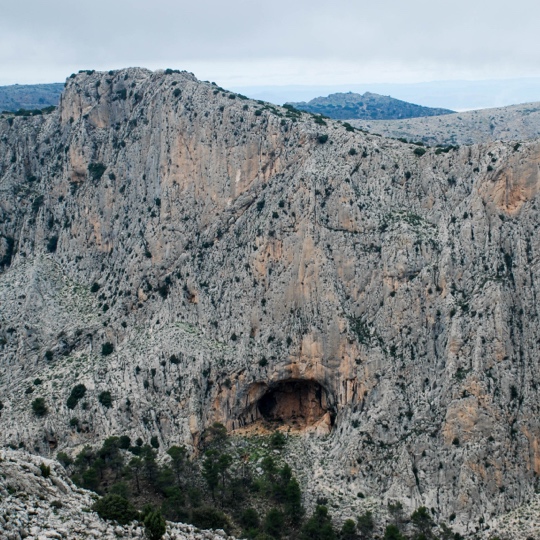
[474,36]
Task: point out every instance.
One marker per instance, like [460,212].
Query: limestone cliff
[203,257]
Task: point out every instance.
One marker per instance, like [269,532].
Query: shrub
[322,138]
[105,399]
[94,288]
[250,518]
[419,151]
[207,517]
[77,394]
[45,470]
[96,170]
[154,442]
[353,152]
[274,522]
[155,525]
[52,244]
[124,442]
[64,459]
[107,348]
[278,440]
[39,407]
[115,508]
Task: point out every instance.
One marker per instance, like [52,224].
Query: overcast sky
[241,42]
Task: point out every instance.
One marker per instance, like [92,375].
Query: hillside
[29,96]
[367,106]
[192,257]
[513,123]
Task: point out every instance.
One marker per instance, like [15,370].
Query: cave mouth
[297,403]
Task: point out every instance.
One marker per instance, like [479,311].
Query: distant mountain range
[29,96]
[457,95]
[512,123]
[367,106]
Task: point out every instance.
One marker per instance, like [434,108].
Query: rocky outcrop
[512,123]
[183,252]
[43,505]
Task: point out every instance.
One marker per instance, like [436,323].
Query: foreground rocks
[35,507]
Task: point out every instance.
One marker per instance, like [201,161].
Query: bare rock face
[203,257]
[511,123]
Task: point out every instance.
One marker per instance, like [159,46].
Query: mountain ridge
[29,96]
[367,106]
[193,253]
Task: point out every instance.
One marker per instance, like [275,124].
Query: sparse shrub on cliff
[52,244]
[39,407]
[322,138]
[45,470]
[115,508]
[96,170]
[419,151]
[278,440]
[105,399]
[107,348]
[77,394]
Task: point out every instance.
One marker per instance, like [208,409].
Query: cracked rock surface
[188,250]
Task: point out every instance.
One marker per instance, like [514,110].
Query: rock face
[193,254]
[43,507]
[513,123]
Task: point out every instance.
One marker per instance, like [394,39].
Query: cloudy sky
[241,42]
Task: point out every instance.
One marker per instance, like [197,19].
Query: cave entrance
[297,403]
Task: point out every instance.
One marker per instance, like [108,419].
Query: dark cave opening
[298,403]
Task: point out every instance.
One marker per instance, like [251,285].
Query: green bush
[107,348]
[64,459]
[105,399]
[96,170]
[278,440]
[115,508]
[45,470]
[322,138]
[52,244]
[207,517]
[155,525]
[39,407]
[419,151]
[124,442]
[77,393]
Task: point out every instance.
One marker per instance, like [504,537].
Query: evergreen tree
[155,525]
[318,526]
[274,523]
[366,525]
